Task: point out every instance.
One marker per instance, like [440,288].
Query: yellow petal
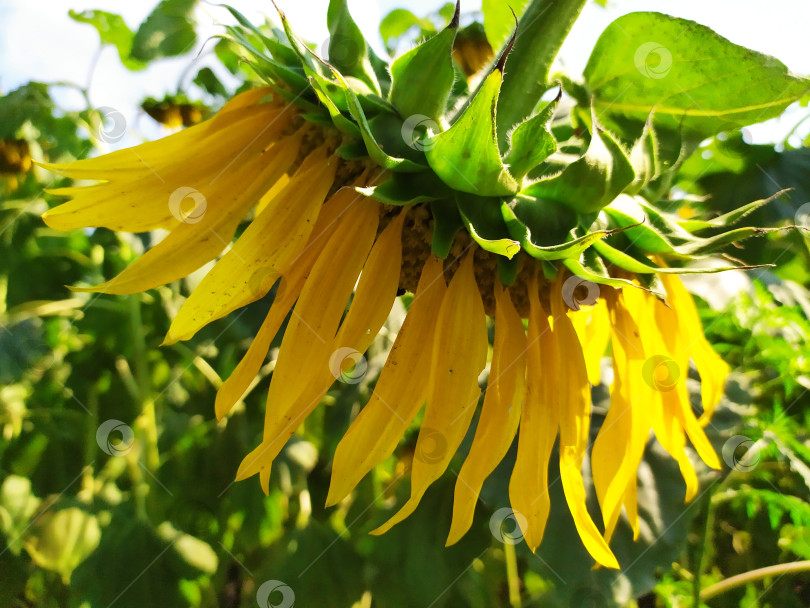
[400,391]
[307,343]
[500,414]
[712,369]
[138,201]
[458,357]
[575,411]
[191,245]
[629,420]
[528,485]
[593,328]
[263,252]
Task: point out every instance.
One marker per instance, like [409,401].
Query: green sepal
[348,50]
[627,212]
[423,78]
[531,142]
[353,150]
[446,224]
[485,223]
[589,266]
[591,182]
[528,214]
[343,124]
[644,158]
[280,52]
[401,189]
[374,150]
[466,156]
[638,265]
[270,70]
[508,270]
[653,284]
[727,219]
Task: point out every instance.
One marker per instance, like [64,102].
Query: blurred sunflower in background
[363,182]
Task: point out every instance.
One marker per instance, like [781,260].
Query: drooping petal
[528,486]
[265,249]
[712,369]
[306,347]
[290,288]
[593,328]
[575,412]
[137,201]
[458,358]
[619,446]
[191,245]
[500,414]
[400,392]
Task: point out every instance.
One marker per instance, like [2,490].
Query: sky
[38,41]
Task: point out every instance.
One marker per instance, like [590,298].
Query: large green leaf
[168,31]
[113,30]
[466,156]
[691,76]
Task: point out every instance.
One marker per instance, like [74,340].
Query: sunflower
[358,188]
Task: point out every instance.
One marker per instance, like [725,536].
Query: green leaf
[113,30]
[499,22]
[167,32]
[691,76]
[61,539]
[414,94]
[348,50]
[409,189]
[532,142]
[483,220]
[208,81]
[446,224]
[396,24]
[591,182]
[466,156]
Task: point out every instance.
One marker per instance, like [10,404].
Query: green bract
[654,87]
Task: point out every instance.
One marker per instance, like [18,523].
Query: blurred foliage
[116,482]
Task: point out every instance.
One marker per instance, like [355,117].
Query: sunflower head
[363,180]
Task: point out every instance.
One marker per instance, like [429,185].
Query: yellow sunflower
[343,233]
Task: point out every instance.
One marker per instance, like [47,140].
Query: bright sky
[38,41]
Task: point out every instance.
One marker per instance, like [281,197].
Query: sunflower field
[415,317]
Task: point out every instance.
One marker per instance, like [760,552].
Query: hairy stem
[543,28]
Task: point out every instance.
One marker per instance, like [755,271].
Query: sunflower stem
[754,575]
[543,28]
[512,577]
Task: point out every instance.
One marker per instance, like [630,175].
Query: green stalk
[543,28]
[512,576]
[754,575]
